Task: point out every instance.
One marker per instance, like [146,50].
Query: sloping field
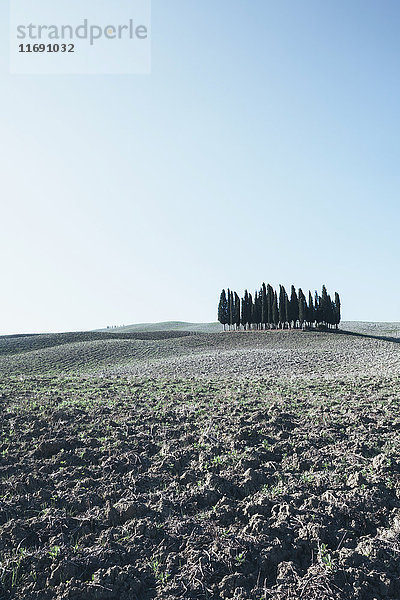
[230,354]
[15,344]
[230,466]
[64,352]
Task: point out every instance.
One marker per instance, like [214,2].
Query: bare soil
[242,487]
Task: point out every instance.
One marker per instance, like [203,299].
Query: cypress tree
[275,311]
[325,306]
[293,308]
[254,309]
[270,304]
[302,308]
[337,310]
[245,304]
[228,298]
[311,310]
[332,315]
[317,309]
[231,310]
[237,311]
[330,312]
[259,310]
[282,306]
[287,308]
[264,306]
[223,309]
[250,311]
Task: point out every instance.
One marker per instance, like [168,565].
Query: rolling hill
[167,326]
[361,349]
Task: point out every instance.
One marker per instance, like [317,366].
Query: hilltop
[166,326]
[381,328]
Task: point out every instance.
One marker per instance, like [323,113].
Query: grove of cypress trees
[269,309]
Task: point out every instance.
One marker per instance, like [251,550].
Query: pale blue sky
[264,146]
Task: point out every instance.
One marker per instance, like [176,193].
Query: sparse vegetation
[206,466]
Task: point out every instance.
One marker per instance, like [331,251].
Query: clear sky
[264,146]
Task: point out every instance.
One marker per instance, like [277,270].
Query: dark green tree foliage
[245,305]
[270,304]
[294,307]
[287,308]
[250,311]
[310,310]
[325,306]
[223,309]
[302,304]
[231,310]
[330,313]
[257,309]
[254,310]
[270,310]
[264,306]
[317,308]
[275,311]
[237,311]
[337,310]
[282,306]
[329,309]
